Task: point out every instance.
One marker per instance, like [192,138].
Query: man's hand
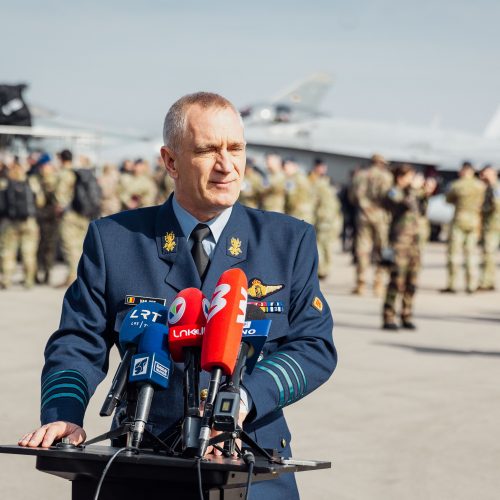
[45,435]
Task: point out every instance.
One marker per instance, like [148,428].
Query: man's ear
[168,157]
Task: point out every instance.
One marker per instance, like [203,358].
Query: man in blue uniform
[149,253]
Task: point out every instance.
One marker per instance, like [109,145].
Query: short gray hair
[175,120]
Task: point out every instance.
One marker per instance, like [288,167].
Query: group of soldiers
[391,228]
[46,204]
[283,187]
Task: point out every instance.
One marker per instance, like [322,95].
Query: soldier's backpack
[18,200]
[87,194]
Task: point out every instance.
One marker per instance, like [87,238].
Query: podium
[153,475]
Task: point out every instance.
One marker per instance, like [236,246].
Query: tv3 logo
[219,302]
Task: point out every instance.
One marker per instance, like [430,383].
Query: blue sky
[122,63]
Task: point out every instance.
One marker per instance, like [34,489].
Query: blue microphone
[133,326]
[255,333]
[150,368]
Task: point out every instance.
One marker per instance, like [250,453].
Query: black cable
[249,459]
[200,483]
[106,469]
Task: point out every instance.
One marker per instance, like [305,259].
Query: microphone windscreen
[138,319]
[226,317]
[187,317]
[154,339]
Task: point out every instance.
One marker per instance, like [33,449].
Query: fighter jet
[292,124]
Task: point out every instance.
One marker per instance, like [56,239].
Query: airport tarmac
[406,415]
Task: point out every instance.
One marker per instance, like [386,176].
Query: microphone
[227,404]
[225,321]
[187,317]
[132,327]
[150,368]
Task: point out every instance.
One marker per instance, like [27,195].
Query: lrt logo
[140,366]
[176,310]
[145,313]
[218,301]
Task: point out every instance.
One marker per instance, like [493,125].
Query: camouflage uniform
[300,200]
[251,189]
[404,236]
[467,195]
[48,222]
[491,235]
[137,191]
[20,235]
[273,192]
[73,225]
[109,181]
[327,221]
[369,190]
[164,184]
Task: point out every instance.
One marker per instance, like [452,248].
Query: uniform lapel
[173,248]
[231,249]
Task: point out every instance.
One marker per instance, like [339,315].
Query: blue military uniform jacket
[144,253]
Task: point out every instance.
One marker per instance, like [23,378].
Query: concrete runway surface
[406,415]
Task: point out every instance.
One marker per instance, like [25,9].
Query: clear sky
[122,63]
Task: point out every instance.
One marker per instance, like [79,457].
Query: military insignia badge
[170,243]
[259,290]
[317,304]
[235,248]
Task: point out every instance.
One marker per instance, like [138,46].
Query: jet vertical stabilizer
[306,95]
[492,130]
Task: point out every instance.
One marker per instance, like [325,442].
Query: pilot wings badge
[259,290]
[170,243]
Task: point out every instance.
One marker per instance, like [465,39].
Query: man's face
[209,165]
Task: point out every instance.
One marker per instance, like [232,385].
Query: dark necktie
[200,257]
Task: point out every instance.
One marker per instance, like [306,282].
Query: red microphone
[187,317]
[225,321]
[222,339]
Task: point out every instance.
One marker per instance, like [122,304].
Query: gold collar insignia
[170,243]
[235,248]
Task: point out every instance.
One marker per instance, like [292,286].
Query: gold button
[283,442]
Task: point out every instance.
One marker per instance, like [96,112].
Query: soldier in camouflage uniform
[274,191]
[251,187]
[327,216]
[20,233]
[109,181]
[164,183]
[369,191]
[467,195]
[73,226]
[300,200]
[48,222]
[138,189]
[490,228]
[404,202]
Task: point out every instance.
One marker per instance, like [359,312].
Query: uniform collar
[172,247]
[188,222]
